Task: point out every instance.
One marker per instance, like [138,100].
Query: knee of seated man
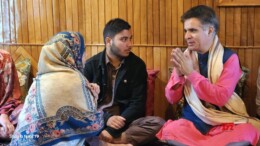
[143,130]
[156,121]
[150,120]
[153,123]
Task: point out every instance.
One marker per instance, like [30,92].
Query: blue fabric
[52,130]
[188,114]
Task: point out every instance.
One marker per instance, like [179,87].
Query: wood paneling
[239,3]
[156,27]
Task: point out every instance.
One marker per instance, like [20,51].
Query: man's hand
[8,127]
[116,122]
[105,136]
[182,62]
[175,62]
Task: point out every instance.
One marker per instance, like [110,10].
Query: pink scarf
[9,84]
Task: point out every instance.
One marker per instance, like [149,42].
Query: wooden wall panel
[137,22]
[50,20]
[156,22]
[222,25]
[237,26]
[162,31]
[156,27]
[180,25]
[44,14]
[88,22]
[37,21]
[150,60]
[174,22]
[81,16]
[143,22]
[157,94]
[75,16]
[115,8]
[168,22]
[249,54]
[195,3]
[230,27]
[94,19]
[62,14]
[101,20]
[243,34]
[130,16]
[56,15]
[163,78]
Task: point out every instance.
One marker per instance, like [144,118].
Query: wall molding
[134,45]
[239,3]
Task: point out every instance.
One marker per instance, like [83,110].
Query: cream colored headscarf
[236,110]
[59,107]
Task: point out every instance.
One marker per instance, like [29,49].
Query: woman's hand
[7,128]
[95,90]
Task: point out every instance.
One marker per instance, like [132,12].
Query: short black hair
[205,14]
[115,26]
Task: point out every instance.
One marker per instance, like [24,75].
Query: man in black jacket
[122,78]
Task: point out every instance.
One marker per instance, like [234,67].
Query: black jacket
[130,87]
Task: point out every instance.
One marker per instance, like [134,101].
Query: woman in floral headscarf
[10,102]
[60,107]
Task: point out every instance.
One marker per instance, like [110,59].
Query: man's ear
[211,30]
[108,41]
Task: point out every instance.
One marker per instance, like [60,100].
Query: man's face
[122,44]
[196,35]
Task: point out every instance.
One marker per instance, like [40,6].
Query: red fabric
[9,84]
[152,74]
[185,132]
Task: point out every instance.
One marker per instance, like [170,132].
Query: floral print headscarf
[74,44]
